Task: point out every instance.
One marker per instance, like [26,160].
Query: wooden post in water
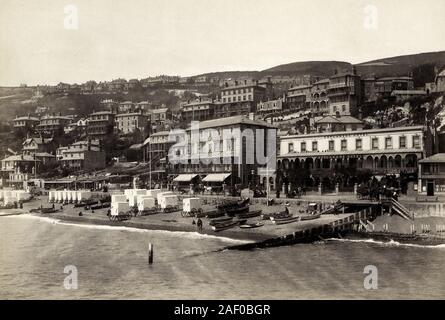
[150,253]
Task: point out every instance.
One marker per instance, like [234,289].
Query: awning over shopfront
[216,177]
[185,177]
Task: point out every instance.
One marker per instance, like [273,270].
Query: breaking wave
[390,243]
[181,234]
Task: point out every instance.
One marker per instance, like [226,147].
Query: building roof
[240,119]
[342,120]
[394,78]
[26,118]
[20,158]
[161,110]
[44,155]
[38,140]
[301,87]
[405,92]
[91,142]
[242,85]
[437,158]
[160,133]
[363,132]
[321,81]
[387,152]
[101,112]
[129,114]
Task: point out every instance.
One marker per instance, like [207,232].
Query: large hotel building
[378,151]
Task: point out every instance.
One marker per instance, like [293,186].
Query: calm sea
[112,264]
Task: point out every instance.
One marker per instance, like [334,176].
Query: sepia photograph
[195,151]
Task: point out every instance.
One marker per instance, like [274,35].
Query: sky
[40,42]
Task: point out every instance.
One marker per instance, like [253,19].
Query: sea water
[111,263]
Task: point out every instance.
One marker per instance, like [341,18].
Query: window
[331,145]
[402,142]
[291,147]
[416,142]
[344,145]
[314,146]
[388,143]
[303,147]
[375,143]
[358,144]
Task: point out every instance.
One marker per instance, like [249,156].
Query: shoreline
[267,236]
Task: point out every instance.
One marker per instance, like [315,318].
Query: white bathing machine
[153,193]
[162,194]
[51,196]
[22,195]
[132,201]
[74,196]
[120,211]
[118,198]
[191,205]
[83,195]
[169,203]
[146,203]
[59,195]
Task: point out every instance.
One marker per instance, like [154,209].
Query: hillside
[316,68]
[420,65]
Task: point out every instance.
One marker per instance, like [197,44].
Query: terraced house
[82,155]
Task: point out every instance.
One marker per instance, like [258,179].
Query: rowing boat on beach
[227,225]
[219,220]
[269,216]
[285,220]
[251,225]
[251,214]
[310,217]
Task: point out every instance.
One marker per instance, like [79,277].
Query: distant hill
[316,68]
[420,65]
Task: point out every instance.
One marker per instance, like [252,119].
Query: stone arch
[317,163]
[390,162]
[411,160]
[383,163]
[397,161]
[369,162]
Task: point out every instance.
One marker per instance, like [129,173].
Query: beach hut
[59,196]
[168,201]
[22,195]
[191,205]
[118,198]
[83,195]
[74,196]
[68,196]
[162,194]
[134,197]
[9,199]
[146,203]
[51,196]
[119,208]
[153,192]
